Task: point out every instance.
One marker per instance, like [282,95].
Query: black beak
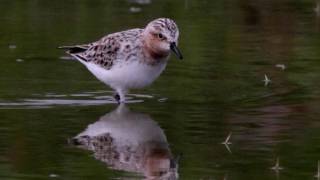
[175,49]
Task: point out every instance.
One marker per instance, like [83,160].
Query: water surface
[47,99]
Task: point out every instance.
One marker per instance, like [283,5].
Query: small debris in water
[277,166]
[266,80]
[19,60]
[162,99]
[227,140]
[12,46]
[53,175]
[318,173]
[281,66]
[228,148]
[135,9]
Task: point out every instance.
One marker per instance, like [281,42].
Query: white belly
[127,76]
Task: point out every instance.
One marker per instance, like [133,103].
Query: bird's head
[161,36]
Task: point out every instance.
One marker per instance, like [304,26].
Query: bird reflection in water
[129,141]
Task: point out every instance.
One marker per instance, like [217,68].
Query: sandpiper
[130,59]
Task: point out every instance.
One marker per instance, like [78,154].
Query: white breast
[132,74]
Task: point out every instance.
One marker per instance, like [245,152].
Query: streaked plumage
[130,59]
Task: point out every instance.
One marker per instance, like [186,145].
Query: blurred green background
[46,98]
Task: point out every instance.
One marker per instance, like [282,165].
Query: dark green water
[46,99]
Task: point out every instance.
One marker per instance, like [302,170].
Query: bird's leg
[117,97]
[120,96]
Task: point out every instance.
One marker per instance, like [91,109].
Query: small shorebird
[130,59]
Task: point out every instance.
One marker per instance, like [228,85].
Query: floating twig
[266,80]
[277,166]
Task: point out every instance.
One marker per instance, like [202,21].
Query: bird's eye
[160,36]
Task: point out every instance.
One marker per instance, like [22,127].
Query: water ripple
[49,100]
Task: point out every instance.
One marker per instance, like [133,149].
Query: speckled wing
[107,51]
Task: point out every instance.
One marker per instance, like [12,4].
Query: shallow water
[175,127]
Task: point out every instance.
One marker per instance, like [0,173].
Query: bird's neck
[153,54]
